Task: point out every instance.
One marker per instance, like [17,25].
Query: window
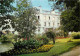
[44,23]
[49,17]
[49,23]
[38,17]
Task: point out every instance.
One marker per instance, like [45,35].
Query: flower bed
[43,48]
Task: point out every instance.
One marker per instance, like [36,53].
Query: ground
[5,47]
[74,52]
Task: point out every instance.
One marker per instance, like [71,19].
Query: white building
[48,20]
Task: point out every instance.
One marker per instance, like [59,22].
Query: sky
[43,3]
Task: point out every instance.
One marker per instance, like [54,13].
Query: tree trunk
[53,41]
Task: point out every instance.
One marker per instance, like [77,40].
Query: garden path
[74,52]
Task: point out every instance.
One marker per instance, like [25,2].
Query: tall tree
[5,6]
[5,9]
[26,19]
[63,4]
[70,18]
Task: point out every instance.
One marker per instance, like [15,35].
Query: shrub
[3,38]
[32,43]
[7,38]
[43,39]
[75,35]
[60,33]
[16,39]
[51,34]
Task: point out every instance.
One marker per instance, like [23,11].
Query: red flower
[26,38]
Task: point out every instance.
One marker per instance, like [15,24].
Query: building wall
[47,20]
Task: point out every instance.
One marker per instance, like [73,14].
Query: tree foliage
[4,24]
[5,6]
[51,34]
[70,18]
[5,9]
[26,19]
[63,4]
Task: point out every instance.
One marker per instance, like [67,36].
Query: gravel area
[74,52]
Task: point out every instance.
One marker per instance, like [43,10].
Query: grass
[59,47]
[67,39]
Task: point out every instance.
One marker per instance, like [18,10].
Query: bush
[43,39]
[75,35]
[7,38]
[51,34]
[32,43]
[60,33]
[3,39]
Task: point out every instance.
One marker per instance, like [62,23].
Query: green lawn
[56,50]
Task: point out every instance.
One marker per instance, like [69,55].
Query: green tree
[5,6]
[51,34]
[63,4]
[70,19]
[5,11]
[3,22]
[26,21]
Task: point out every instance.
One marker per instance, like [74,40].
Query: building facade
[48,20]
